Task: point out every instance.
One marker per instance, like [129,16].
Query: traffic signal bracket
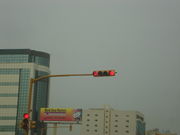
[32,124]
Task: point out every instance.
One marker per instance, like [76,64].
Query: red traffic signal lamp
[101,73]
[26,116]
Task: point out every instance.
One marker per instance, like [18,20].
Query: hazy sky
[138,38]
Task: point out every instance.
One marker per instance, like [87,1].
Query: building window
[96,115]
[116,115]
[88,119]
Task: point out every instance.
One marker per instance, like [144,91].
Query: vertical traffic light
[101,73]
[25,122]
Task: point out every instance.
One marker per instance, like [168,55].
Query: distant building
[17,66]
[112,122]
[157,132]
[153,131]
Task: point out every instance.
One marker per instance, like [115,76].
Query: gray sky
[138,38]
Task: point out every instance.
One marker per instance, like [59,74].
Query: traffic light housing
[25,122]
[101,73]
[32,124]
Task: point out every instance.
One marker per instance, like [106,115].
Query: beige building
[107,121]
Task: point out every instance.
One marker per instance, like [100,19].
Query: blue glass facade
[14,87]
[140,128]
[13,58]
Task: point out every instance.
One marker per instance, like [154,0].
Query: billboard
[60,114]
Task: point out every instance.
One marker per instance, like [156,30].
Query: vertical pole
[42,131]
[30,99]
[25,132]
[30,95]
[70,127]
[55,129]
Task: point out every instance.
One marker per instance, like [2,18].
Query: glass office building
[17,66]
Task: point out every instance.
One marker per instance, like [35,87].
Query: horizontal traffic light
[101,73]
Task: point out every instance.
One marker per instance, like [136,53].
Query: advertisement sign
[60,114]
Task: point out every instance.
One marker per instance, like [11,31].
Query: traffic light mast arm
[44,77]
[65,75]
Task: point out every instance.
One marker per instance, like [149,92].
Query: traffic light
[25,122]
[32,124]
[101,73]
